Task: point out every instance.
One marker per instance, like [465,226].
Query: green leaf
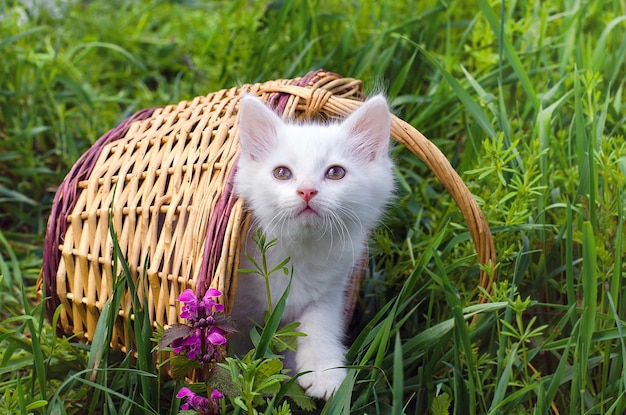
[398,378]
[266,382]
[240,403]
[181,366]
[590,302]
[12,39]
[100,340]
[176,331]
[400,80]
[441,404]
[600,46]
[36,404]
[263,349]
[510,52]
[297,395]
[220,379]
[11,196]
[467,100]
[341,400]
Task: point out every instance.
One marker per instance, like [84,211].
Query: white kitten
[319,189]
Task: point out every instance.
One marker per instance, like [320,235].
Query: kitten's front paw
[322,384]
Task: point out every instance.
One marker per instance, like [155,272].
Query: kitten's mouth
[308,212]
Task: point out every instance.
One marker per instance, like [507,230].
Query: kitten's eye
[282,173]
[336,173]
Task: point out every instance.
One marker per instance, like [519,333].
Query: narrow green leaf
[402,76]
[582,139]
[556,380]
[502,384]
[398,378]
[472,106]
[100,342]
[462,344]
[590,303]
[510,52]
[569,258]
[340,402]
[105,45]
[12,39]
[600,46]
[11,196]
[40,403]
[262,349]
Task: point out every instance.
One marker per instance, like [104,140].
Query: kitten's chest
[316,275]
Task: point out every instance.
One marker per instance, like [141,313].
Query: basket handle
[430,154]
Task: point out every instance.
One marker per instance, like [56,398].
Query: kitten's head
[313,177]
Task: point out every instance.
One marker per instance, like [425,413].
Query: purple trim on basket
[215,233]
[64,202]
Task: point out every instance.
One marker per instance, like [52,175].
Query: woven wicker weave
[165,177]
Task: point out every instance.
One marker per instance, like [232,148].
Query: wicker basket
[164,175]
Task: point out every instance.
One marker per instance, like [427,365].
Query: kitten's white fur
[324,242]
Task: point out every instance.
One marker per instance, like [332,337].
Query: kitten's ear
[258,127]
[369,128]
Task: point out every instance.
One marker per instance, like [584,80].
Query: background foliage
[525,98]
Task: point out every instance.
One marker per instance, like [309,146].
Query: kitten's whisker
[354,218]
[275,226]
[342,231]
[330,222]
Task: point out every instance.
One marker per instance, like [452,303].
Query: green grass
[527,101]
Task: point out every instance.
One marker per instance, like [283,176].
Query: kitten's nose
[307,194]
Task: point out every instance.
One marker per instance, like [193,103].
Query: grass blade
[465,401]
[590,303]
[398,378]
[557,377]
[510,53]
[262,348]
[472,106]
[600,47]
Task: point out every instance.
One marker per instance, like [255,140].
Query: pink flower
[203,338]
[208,302]
[198,403]
[215,395]
[192,345]
[190,307]
[194,309]
[216,336]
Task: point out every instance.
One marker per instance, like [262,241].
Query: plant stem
[270,307]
